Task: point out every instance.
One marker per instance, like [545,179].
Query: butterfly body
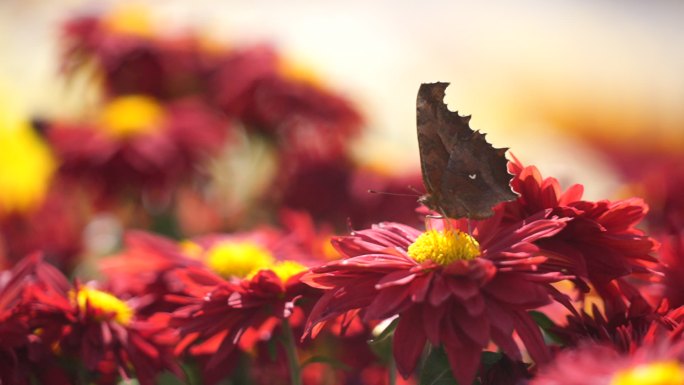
[465,177]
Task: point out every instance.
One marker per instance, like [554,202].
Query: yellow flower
[26,164]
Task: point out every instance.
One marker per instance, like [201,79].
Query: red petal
[432,320]
[464,356]
[409,341]
[532,337]
[513,289]
[462,288]
[388,302]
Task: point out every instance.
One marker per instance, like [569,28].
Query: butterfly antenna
[415,190]
[393,194]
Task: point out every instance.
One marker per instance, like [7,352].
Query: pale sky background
[526,70]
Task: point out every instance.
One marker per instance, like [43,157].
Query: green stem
[392,370]
[291,353]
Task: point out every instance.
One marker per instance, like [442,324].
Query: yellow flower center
[130,19]
[105,303]
[658,373]
[26,167]
[238,259]
[444,247]
[284,269]
[132,115]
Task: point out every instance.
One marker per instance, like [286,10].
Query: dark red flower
[55,227]
[145,268]
[600,242]
[50,321]
[138,144]
[109,338]
[625,325]
[307,120]
[671,255]
[235,79]
[30,324]
[137,63]
[447,287]
[217,314]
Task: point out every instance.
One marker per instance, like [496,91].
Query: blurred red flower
[138,62]
[448,288]
[138,145]
[595,364]
[54,227]
[671,255]
[337,193]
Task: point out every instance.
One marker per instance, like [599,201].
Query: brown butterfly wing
[464,175]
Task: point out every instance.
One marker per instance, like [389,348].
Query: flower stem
[291,353]
[392,370]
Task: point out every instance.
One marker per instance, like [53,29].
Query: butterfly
[464,175]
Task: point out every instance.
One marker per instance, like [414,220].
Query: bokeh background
[537,76]
[586,91]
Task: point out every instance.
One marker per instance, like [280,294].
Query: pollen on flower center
[132,115]
[444,247]
[102,304]
[238,259]
[658,373]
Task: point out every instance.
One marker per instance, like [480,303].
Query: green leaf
[326,360]
[547,326]
[436,370]
[382,344]
[489,359]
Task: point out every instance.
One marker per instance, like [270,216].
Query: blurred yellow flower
[130,19]
[26,163]
[132,115]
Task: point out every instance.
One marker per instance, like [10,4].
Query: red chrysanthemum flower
[653,364]
[133,58]
[111,339]
[310,122]
[29,324]
[236,76]
[138,144]
[51,321]
[625,324]
[600,242]
[218,314]
[448,288]
[145,268]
